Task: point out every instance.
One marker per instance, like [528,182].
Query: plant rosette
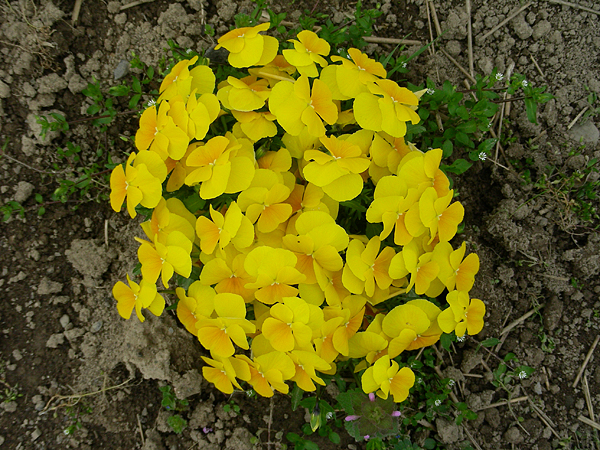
[298,226]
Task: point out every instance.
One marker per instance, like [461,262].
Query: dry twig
[585,361]
[136,3]
[577,118]
[504,403]
[76,10]
[470,39]
[589,422]
[383,40]
[505,21]
[539,69]
[544,418]
[573,5]
[521,319]
[459,67]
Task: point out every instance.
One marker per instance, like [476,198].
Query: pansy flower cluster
[284,291]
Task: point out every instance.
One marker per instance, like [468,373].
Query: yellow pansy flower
[269,372]
[307,363]
[246,94]
[165,259]
[386,107]
[275,274]
[463,315]
[159,133]
[247,47]
[138,296]
[436,214]
[296,107]
[219,169]
[168,216]
[264,201]
[230,326]
[197,303]
[353,75]
[392,200]
[178,81]
[222,372]
[337,172]
[308,50]
[255,125]
[226,272]
[386,378]
[136,183]
[287,327]
[232,227]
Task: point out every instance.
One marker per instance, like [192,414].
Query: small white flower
[461,338]
[151,102]
[483,156]
[489,124]
[499,76]
[250,392]
[525,83]
[522,375]
[188,51]
[329,415]
[404,65]
[430,91]
[450,383]
[438,402]
[419,380]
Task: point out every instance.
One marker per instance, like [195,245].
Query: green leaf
[118,91]
[446,340]
[41,211]
[93,109]
[447,148]
[177,423]
[531,108]
[464,139]
[490,342]
[457,167]
[134,101]
[292,437]
[136,86]
[297,394]
[334,437]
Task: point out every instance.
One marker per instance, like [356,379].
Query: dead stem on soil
[589,422]
[539,69]
[585,361]
[588,401]
[505,21]
[521,319]
[503,403]
[140,429]
[76,10]
[573,5]
[458,66]
[383,40]
[470,39]
[133,4]
[72,400]
[577,117]
[547,421]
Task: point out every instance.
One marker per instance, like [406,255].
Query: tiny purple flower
[396,414]
[372,397]
[351,418]
[206,430]
[367,437]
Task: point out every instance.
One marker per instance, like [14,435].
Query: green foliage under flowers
[171,403]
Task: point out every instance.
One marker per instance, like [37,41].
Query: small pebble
[96,326]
